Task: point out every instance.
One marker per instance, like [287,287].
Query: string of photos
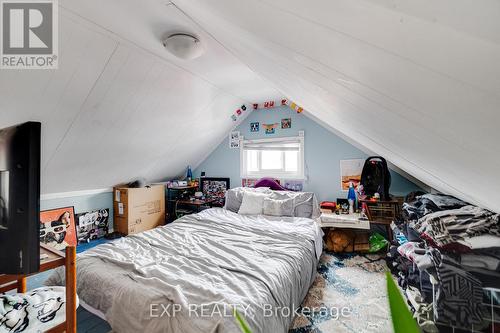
[267,105]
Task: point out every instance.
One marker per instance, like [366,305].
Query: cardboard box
[138,209]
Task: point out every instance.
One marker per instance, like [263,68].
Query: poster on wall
[234,140]
[254,127]
[270,128]
[350,172]
[92,225]
[215,188]
[57,227]
[286,123]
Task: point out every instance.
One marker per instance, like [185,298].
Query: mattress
[190,275]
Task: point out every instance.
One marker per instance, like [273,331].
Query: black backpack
[376,177]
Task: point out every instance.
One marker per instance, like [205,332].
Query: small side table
[358,237]
[51,259]
[350,221]
[383,212]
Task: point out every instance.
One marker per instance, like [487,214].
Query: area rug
[348,295]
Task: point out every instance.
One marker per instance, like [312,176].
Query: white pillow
[252,203]
[275,207]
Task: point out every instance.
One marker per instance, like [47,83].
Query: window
[277,157]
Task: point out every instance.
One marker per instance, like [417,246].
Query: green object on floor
[402,319]
[377,243]
[242,322]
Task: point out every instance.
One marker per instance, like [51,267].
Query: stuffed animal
[340,240]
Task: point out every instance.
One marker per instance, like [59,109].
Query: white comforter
[188,276]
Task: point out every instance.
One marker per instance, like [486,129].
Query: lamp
[184,46]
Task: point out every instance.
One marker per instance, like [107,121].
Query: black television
[20,198]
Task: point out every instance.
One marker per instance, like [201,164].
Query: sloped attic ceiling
[120,106]
[415,81]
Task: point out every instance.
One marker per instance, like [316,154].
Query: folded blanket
[35,311]
[430,203]
[452,226]
[489,262]
[459,294]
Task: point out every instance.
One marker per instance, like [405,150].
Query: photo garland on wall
[57,228]
[238,112]
[266,105]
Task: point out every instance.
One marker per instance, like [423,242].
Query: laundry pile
[445,253]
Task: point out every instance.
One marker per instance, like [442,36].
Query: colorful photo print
[57,228]
[270,128]
[214,188]
[350,172]
[286,123]
[248,182]
[92,225]
[234,140]
[254,127]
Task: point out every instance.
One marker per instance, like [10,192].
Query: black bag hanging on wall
[376,177]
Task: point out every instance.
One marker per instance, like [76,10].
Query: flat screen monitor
[20,198]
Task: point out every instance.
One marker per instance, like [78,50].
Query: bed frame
[52,259]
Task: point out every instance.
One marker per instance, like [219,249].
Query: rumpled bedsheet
[208,260]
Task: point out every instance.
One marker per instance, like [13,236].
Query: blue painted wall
[323,151]
[82,204]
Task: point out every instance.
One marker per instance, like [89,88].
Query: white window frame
[281,174]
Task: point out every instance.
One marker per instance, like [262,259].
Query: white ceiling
[415,81]
[120,106]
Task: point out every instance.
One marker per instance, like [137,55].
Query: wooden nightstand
[51,259]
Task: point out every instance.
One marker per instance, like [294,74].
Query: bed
[190,275]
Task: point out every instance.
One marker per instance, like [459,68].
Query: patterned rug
[348,295]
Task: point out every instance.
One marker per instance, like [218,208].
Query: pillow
[234,196]
[269,182]
[305,203]
[276,207]
[252,203]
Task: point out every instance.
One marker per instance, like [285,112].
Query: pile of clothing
[444,253]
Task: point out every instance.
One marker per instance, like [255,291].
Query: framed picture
[57,227]
[350,172]
[286,123]
[254,127]
[270,128]
[215,188]
[92,225]
[234,140]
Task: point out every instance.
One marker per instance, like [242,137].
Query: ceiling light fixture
[184,46]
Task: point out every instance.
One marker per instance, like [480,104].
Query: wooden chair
[54,259]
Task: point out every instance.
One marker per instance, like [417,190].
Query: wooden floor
[87,322]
